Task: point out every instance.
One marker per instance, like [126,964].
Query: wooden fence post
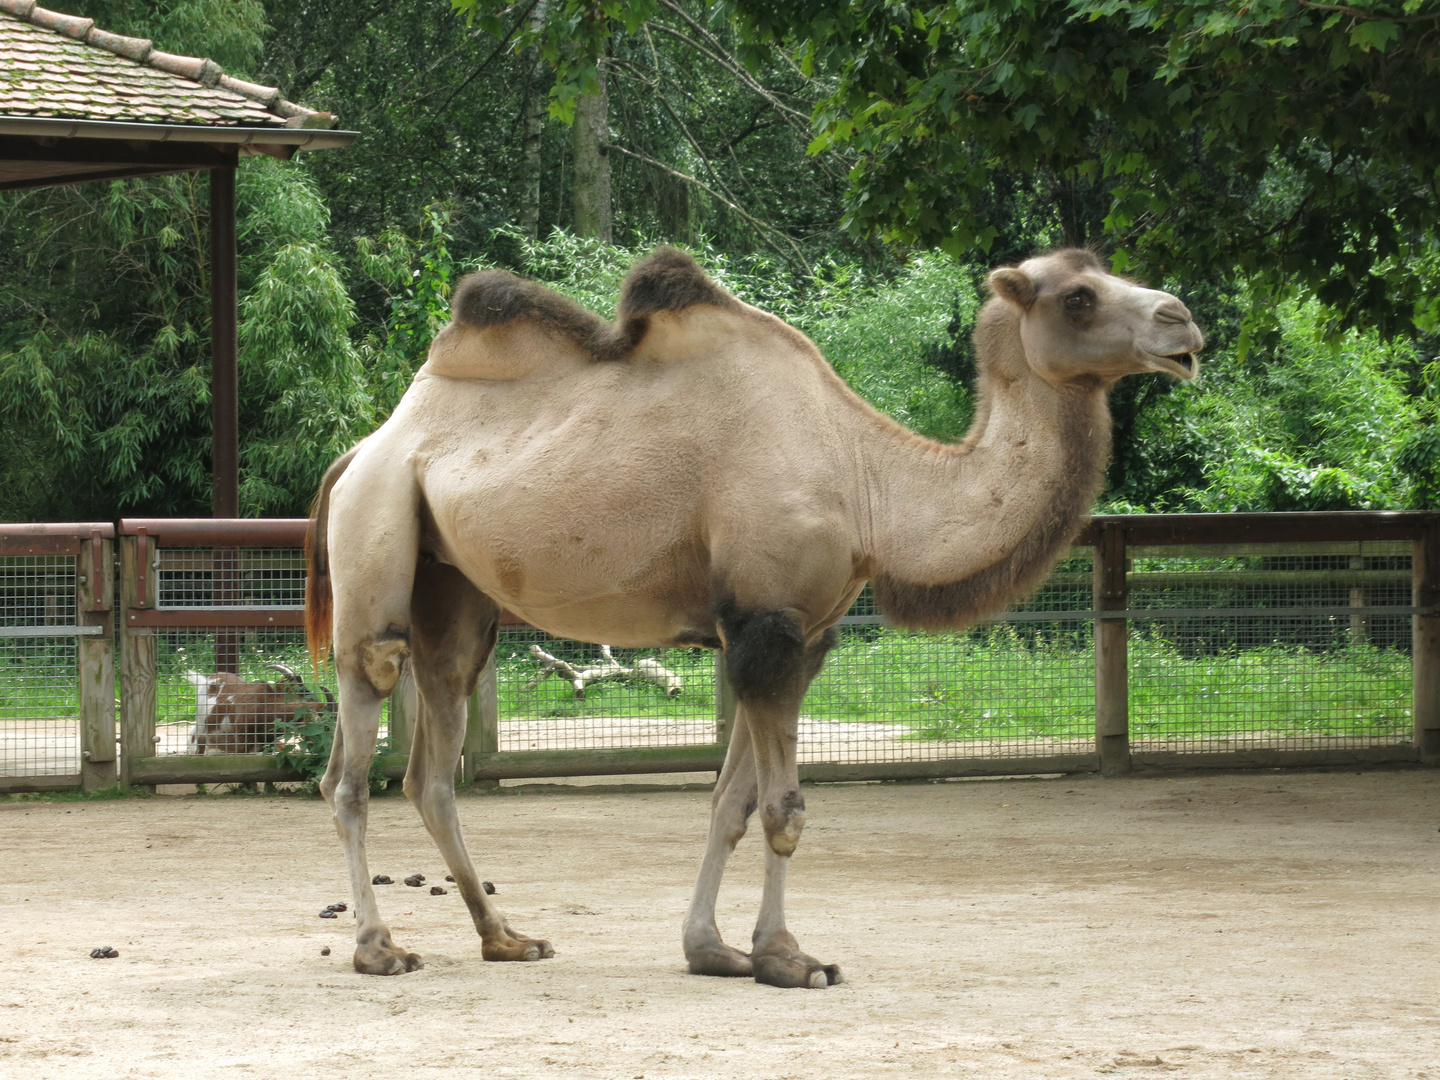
[94,604]
[724,702]
[137,654]
[1425,630]
[401,707]
[1112,665]
[482,730]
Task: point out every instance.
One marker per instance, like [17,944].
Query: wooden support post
[724,702]
[482,732]
[1112,666]
[402,705]
[1359,598]
[1426,644]
[137,654]
[95,589]
[224,379]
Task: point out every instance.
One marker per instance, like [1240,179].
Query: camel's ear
[1013,285]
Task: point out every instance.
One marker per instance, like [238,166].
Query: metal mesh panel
[39,703]
[1310,665]
[1019,686]
[541,711]
[230,577]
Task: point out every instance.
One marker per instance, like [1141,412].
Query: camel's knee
[733,816]
[784,820]
[378,659]
[349,804]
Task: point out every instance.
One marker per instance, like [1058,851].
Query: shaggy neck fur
[962,531]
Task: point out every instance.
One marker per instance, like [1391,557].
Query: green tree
[1291,142]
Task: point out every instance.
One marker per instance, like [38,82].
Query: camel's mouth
[1182,365]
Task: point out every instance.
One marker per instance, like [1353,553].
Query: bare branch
[795,257]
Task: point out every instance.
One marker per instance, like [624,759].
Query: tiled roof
[61,66]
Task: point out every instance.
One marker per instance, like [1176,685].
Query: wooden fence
[223,589]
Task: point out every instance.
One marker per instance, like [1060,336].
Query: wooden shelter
[78,103]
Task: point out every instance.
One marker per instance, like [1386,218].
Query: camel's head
[1079,321]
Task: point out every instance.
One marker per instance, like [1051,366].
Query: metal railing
[1163,641]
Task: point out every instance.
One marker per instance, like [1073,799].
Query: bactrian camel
[694,474]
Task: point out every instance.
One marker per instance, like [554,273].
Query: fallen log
[648,669]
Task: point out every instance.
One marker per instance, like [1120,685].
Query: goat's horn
[284,671]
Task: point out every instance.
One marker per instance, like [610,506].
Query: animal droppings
[325,951]
[105,952]
[381,879]
[342,906]
[415,880]
[436,890]
[327,914]
[449,877]
[489,887]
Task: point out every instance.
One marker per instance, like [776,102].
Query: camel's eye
[1079,301]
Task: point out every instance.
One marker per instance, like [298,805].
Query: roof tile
[58,65]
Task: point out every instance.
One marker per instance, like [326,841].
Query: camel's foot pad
[795,969]
[385,958]
[516,947]
[717,958]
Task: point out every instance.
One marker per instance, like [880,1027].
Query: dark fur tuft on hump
[494,297]
[669,280]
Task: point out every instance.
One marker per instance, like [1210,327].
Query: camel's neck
[960,532]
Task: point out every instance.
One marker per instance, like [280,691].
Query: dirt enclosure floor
[1261,925]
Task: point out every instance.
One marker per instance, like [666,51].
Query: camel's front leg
[730,810]
[346,787]
[771,666]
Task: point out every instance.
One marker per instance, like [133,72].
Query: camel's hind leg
[373,539]
[453,634]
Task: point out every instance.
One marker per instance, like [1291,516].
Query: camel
[694,474]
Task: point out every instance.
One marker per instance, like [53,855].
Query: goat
[237,717]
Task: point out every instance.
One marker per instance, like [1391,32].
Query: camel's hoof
[719,959]
[378,960]
[522,949]
[797,970]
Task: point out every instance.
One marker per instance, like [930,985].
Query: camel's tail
[319,598]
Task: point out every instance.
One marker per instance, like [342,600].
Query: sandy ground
[1260,925]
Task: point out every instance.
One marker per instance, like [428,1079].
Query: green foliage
[104,352]
[1315,426]
[304,741]
[1294,143]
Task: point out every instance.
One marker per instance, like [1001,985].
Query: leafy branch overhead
[1295,142]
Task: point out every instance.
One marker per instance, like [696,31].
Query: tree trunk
[591,137]
[533,126]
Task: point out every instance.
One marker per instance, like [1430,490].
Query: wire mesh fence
[641,697]
[1238,646]
[1271,646]
[1018,686]
[39,698]
[223,689]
